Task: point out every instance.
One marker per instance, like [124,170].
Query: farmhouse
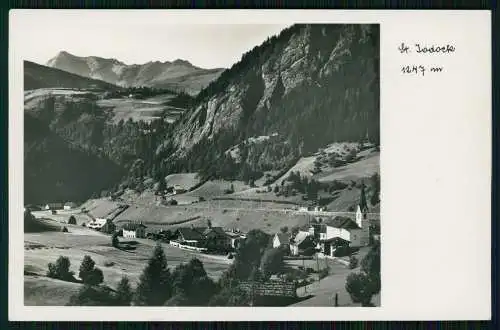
[69,205]
[212,238]
[189,236]
[134,230]
[301,244]
[97,223]
[216,238]
[345,228]
[235,238]
[329,246]
[109,227]
[281,240]
[54,206]
[178,189]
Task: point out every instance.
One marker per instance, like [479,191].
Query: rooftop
[284,238]
[342,222]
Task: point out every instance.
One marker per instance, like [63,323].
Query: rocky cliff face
[312,84]
[176,75]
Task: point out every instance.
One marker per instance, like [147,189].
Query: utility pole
[303,266]
[317,265]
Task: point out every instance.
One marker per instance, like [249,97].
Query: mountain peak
[182,62]
[177,75]
[64,53]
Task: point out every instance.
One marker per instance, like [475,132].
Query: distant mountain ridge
[179,75]
[40,76]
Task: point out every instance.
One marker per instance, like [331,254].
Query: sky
[138,41]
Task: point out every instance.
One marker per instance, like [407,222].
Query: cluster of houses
[60,206]
[326,236]
[172,190]
[207,238]
[103,225]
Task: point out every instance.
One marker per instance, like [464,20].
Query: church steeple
[363,205]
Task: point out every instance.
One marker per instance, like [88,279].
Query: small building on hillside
[54,206]
[302,243]
[69,205]
[97,223]
[134,230]
[281,240]
[178,189]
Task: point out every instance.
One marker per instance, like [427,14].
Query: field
[42,248]
[122,108]
[145,110]
[247,208]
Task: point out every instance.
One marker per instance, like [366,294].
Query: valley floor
[46,247]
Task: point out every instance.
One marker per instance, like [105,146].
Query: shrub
[93,296]
[272,262]
[353,262]
[362,287]
[95,277]
[72,220]
[114,240]
[84,224]
[109,264]
[60,270]
[64,229]
[90,274]
[231,296]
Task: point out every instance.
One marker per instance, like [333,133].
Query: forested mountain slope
[309,86]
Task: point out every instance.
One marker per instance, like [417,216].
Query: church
[344,231]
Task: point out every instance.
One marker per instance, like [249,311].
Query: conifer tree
[154,287]
[123,292]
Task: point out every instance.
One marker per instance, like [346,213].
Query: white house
[357,232]
[97,223]
[344,228]
[134,230]
[301,242]
[178,189]
[69,205]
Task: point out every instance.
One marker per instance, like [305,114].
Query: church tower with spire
[362,217]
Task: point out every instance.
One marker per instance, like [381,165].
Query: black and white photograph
[202,165]
[249,165]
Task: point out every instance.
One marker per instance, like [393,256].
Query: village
[329,237]
[340,240]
